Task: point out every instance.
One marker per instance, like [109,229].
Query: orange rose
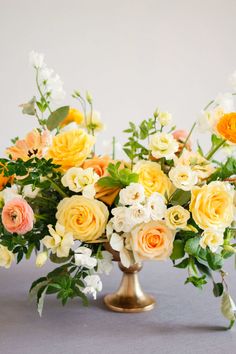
[226,127]
[153,240]
[74,115]
[99,164]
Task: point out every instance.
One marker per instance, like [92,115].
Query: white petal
[116,242]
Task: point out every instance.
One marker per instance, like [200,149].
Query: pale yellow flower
[212,238]
[71,148]
[153,178]
[164,118]
[6,257]
[177,217]
[85,218]
[163,145]
[41,259]
[201,166]
[60,241]
[93,122]
[212,205]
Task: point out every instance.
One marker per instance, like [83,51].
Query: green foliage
[218,289]
[198,282]
[29,107]
[180,197]
[178,250]
[192,246]
[57,117]
[215,260]
[225,170]
[118,177]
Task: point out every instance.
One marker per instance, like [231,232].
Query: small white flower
[94,122]
[156,205]
[163,145]
[121,220]
[10,193]
[93,285]
[28,191]
[116,242]
[138,214]
[105,264]
[54,85]
[212,238]
[183,177]
[164,118]
[134,193]
[41,259]
[60,241]
[83,258]
[36,59]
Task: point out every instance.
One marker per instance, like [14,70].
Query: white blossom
[156,205]
[163,145]
[183,177]
[83,258]
[121,221]
[36,59]
[93,284]
[134,193]
[105,264]
[29,192]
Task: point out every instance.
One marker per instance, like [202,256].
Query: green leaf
[192,246]
[29,107]
[228,307]
[178,250]
[215,261]
[226,170]
[218,289]
[57,117]
[180,197]
[183,264]
[53,257]
[41,296]
[109,182]
[30,250]
[203,268]
[37,282]
[198,282]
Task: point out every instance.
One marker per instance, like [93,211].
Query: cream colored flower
[212,205]
[134,193]
[156,205]
[83,258]
[41,259]
[6,257]
[60,241]
[29,192]
[153,178]
[201,166]
[153,240]
[94,122]
[164,118]
[77,179]
[163,145]
[212,238]
[121,221]
[93,284]
[177,217]
[138,213]
[85,218]
[183,177]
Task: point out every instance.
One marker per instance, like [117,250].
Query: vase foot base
[118,303]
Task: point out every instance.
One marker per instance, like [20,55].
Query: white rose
[212,238]
[183,177]
[156,205]
[134,193]
[41,259]
[163,145]
[92,285]
[121,220]
[164,118]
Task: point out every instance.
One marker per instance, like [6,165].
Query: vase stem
[130,296]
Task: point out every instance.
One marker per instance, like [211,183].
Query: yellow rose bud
[176,217]
[85,218]
[71,148]
[212,205]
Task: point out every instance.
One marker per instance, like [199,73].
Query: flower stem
[208,105]
[187,139]
[40,91]
[212,152]
[57,188]
[113,148]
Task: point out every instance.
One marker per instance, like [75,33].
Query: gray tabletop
[185,320]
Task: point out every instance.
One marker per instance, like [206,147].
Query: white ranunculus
[121,221]
[212,238]
[93,284]
[183,177]
[36,59]
[156,205]
[83,258]
[164,118]
[105,264]
[134,193]
[163,145]
[41,259]
[29,192]
[138,214]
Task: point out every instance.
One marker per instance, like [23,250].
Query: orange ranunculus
[34,145]
[226,127]
[4,180]
[99,164]
[74,115]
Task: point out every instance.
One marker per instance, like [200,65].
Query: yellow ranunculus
[85,218]
[71,148]
[212,205]
[74,115]
[153,178]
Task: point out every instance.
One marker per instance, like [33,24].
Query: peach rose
[153,240]
[99,164]
[180,136]
[17,216]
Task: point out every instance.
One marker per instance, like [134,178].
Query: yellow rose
[71,148]
[6,257]
[212,205]
[153,240]
[176,217]
[85,218]
[153,178]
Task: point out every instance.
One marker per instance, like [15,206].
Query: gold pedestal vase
[130,296]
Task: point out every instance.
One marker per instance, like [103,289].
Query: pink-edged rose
[17,216]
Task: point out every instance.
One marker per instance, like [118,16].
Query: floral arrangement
[69,205]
